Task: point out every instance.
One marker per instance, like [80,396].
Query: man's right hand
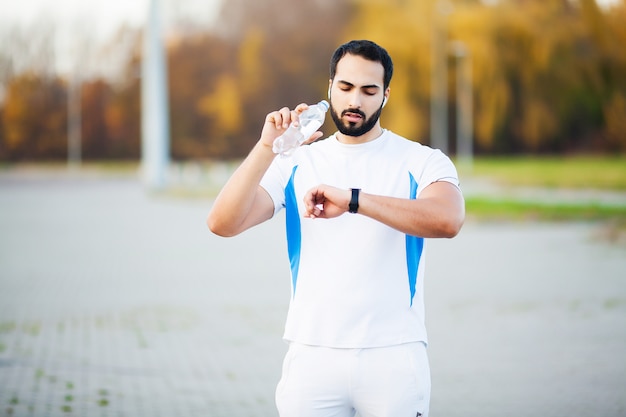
[243,203]
[278,121]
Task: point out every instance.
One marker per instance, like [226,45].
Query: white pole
[439,78]
[464,99]
[154,103]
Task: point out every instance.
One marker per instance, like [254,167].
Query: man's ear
[385,98]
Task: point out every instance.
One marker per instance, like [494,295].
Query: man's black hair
[365,49]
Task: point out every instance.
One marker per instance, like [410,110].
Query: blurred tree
[404,29]
[196,63]
[94,99]
[223,106]
[34,118]
[548,76]
[542,71]
[614,110]
[123,121]
[27,60]
[542,74]
[615,116]
[474,25]
[223,84]
[123,113]
[28,49]
[282,57]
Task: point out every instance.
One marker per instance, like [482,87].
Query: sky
[97,21]
[101,19]
[103,16]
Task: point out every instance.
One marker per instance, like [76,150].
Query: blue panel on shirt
[294,233]
[414,246]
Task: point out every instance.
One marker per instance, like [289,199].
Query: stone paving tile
[83,368]
[100,315]
[116,302]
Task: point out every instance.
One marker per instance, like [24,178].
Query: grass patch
[7,326]
[602,172]
[114,166]
[490,208]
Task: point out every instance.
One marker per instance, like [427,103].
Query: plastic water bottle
[310,121]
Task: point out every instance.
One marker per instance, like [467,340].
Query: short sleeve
[438,167]
[274,182]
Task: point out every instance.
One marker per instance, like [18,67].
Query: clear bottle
[310,121]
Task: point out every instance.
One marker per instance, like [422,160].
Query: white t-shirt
[356,283]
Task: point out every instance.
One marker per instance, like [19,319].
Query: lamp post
[439,77]
[464,100]
[154,103]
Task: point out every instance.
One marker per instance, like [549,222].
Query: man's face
[356,95]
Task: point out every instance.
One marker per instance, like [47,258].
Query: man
[358,207]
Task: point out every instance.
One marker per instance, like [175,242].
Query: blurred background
[115,300]
[547,77]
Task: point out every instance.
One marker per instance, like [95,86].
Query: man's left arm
[439,210]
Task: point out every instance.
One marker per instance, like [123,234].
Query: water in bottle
[310,121]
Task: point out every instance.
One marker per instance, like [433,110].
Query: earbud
[329,93]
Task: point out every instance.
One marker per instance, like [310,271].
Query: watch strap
[353,207]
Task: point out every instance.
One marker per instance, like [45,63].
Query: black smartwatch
[353,207]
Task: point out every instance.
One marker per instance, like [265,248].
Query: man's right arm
[243,203]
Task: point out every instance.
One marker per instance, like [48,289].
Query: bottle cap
[323,105]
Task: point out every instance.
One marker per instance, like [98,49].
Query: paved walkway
[115,302]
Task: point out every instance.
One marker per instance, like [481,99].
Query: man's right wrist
[264,149]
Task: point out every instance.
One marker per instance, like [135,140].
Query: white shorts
[377,382]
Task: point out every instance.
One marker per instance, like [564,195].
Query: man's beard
[352,129]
